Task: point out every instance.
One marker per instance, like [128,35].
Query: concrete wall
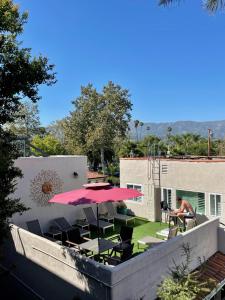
[58,170]
[196,176]
[138,172]
[51,271]
[221,239]
[139,277]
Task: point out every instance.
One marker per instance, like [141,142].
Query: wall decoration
[44,186]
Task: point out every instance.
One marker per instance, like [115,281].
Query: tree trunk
[103,161]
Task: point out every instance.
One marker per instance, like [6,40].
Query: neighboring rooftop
[181,158]
[214,267]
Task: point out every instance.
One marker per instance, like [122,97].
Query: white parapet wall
[136,279]
[42,178]
[139,277]
[52,271]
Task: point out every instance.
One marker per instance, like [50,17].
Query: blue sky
[171,59]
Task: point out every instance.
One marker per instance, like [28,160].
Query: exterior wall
[221,239]
[50,270]
[55,169]
[196,176]
[138,172]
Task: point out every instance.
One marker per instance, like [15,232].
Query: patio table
[98,245]
[149,241]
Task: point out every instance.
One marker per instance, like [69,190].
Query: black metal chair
[35,227]
[124,239]
[64,226]
[75,239]
[115,260]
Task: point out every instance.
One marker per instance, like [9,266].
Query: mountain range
[178,127]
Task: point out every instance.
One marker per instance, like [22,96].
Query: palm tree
[211,5]
[141,125]
[136,124]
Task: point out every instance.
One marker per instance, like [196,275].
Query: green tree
[20,77]
[129,149]
[27,122]
[98,119]
[49,144]
[152,145]
[141,124]
[57,129]
[210,5]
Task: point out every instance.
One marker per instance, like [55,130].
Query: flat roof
[194,159]
[214,267]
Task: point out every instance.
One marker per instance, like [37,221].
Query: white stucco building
[42,178]
[200,181]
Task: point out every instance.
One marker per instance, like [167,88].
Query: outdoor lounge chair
[63,225]
[91,219]
[34,227]
[112,212]
[153,241]
[124,238]
[115,260]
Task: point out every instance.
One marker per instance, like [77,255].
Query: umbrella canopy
[91,195]
[95,193]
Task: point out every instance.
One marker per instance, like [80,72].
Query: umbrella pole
[98,227]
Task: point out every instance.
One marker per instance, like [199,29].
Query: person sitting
[185,209]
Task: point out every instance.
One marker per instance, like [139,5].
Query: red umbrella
[95,193]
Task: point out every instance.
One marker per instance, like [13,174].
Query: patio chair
[115,260]
[124,238]
[153,241]
[35,227]
[75,239]
[63,225]
[113,213]
[91,219]
[191,223]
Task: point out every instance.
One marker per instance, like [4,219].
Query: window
[167,197]
[196,199]
[137,187]
[215,204]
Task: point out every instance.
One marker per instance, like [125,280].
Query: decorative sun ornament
[44,186]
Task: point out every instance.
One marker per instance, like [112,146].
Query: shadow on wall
[47,284]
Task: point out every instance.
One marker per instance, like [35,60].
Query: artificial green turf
[142,228]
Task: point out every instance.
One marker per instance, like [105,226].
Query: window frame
[197,192]
[221,196]
[142,197]
[162,194]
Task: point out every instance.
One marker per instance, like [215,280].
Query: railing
[24,145]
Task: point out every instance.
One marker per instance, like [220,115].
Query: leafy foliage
[8,175]
[49,144]
[20,76]
[210,5]
[182,284]
[98,119]
[27,122]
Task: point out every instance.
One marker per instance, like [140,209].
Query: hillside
[179,127]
